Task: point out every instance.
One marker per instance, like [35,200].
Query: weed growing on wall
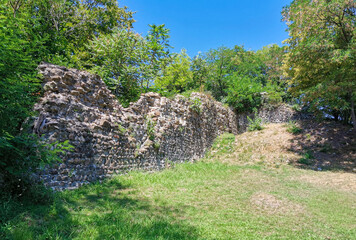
[121,129]
[196,105]
[150,125]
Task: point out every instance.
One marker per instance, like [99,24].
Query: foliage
[188,93]
[293,128]
[128,62]
[121,129]
[116,58]
[220,64]
[55,31]
[307,158]
[176,75]
[32,31]
[21,156]
[296,107]
[150,128]
[157,55]
[200,71]
[272,57]
[196,105]
[243,93]
[241,78]
[18,85]
[321,55]
[255,123]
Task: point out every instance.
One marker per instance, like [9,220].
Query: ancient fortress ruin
[109,139]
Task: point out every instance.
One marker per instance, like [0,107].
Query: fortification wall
[273,114]
[109,139]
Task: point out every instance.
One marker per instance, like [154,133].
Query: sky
[200,25]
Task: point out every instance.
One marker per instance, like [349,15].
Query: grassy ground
[243,189]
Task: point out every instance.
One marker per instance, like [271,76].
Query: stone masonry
[109,139]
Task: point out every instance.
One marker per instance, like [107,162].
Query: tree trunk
[353,117]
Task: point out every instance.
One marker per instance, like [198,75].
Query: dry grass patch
[271,204]
[339,181]
[269,147]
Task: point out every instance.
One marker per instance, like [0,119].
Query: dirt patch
[271,204]
[340,181]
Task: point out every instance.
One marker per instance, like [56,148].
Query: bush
[307,158]
[255,123]
[293,128]
[20,158]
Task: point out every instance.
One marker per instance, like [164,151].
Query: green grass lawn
[203,200]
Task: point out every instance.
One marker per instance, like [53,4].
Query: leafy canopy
[322,54]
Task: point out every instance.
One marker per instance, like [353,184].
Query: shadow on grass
[325,146]
[97,211]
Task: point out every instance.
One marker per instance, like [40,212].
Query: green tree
[56,31]
[128,62]
[18,61]
[157,55]
[272,57]
[249,85]
[200,72]
[176,75]
[322,54]
[117,59]
[220,62]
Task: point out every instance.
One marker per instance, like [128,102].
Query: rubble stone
[110,139]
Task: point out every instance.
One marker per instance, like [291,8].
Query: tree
[56,31]
[157,55]
[249,85]
[117,59]
[128,62]
[322,54]
[272,57]
[220,62]
[176,75]
[92,18]
[18,62]
[200,72]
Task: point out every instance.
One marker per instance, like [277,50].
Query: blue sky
[199,25]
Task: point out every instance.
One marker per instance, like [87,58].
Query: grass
[293,128]
[209,199]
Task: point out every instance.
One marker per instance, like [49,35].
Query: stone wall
[273,114]
[109,139]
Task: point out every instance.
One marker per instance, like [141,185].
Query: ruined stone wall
[109,139]
[273,114]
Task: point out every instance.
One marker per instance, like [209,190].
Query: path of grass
[203,200]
